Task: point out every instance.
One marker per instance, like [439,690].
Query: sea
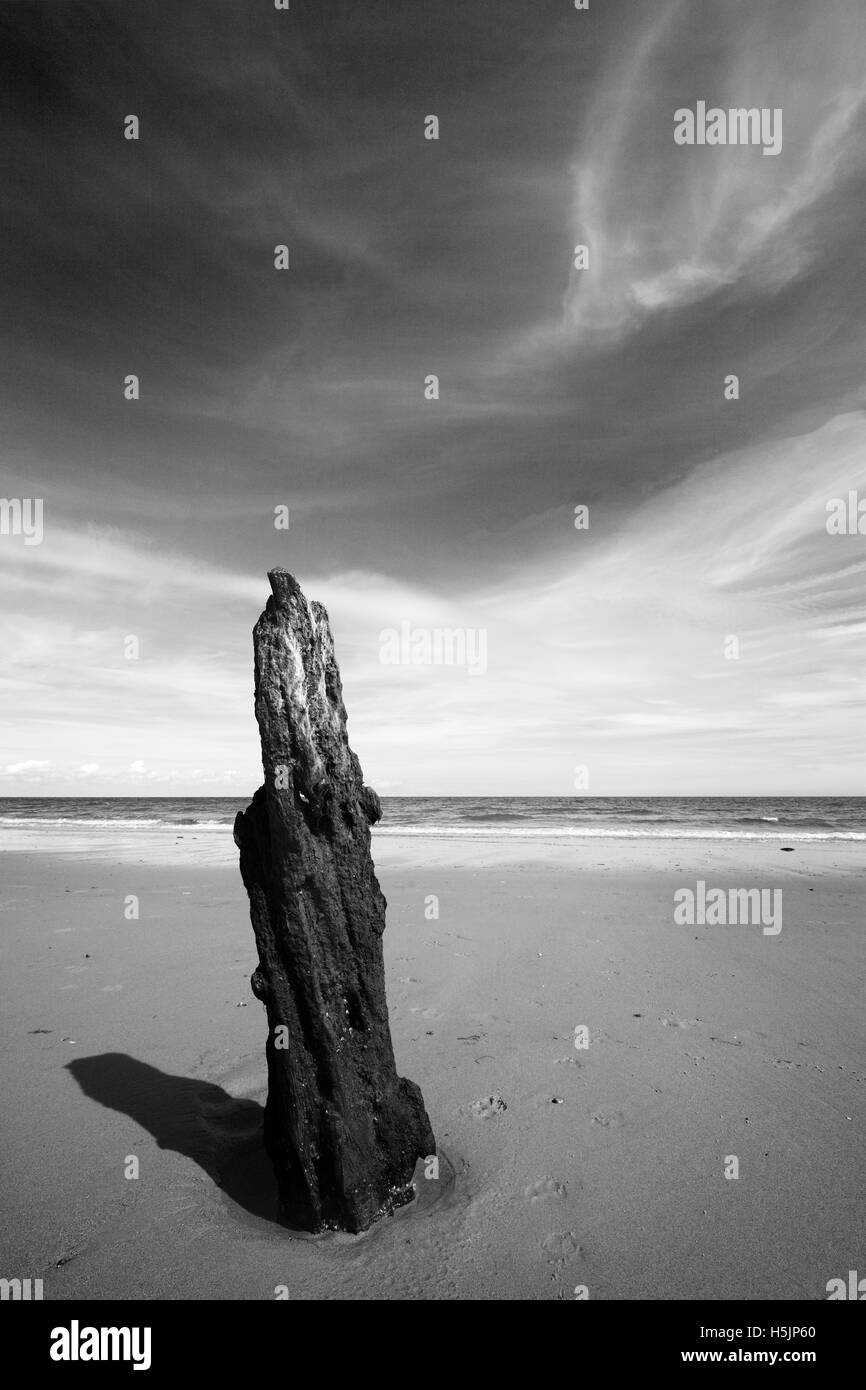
[789,819]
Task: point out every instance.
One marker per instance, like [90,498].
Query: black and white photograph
[433,733]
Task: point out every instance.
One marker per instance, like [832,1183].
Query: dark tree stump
[342,1129]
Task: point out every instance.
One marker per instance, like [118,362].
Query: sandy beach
[560,1167]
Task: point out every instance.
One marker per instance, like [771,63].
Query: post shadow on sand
[196,1118]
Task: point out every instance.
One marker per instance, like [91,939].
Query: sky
[703,634]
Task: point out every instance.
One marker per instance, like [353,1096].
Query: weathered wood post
[342,1129]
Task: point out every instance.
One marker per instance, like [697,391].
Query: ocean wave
[114,823]
[577,832]
[814,822]
[496,825]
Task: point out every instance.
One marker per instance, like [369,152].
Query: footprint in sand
[559,1246]
[609,1119]
[672,1022]
[487,1106]
[567,1062]
[426,1013]
[545,1187]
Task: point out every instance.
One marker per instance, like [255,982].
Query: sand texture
[560,1167]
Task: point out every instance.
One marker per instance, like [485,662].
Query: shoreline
[194,845]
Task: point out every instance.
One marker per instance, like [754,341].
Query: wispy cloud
[668,226]
[625,646]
